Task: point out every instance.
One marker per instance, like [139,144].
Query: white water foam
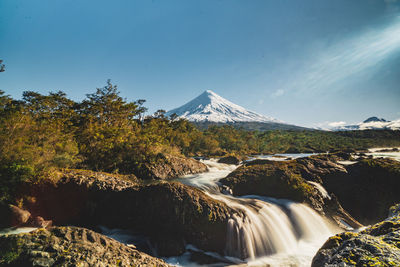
[281,157]
[17,230]
[376,154]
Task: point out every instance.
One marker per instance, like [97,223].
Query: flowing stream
[263,231]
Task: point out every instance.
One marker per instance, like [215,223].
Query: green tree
[107,128]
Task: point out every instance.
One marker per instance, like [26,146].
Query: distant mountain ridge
[372,123]
[209,109]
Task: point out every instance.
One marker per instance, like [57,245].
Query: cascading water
[265,230]
[259,229]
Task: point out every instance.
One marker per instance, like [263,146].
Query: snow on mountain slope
[372,123]
[210,107]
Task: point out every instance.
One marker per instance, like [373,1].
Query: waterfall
[259,230]
[263,227]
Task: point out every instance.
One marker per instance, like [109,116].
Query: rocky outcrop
[367,188]
[168,166]
[69,246]
[169,213]
[230,160]
[395,149]
[311,168]
[298,180]
[378,245]
[13,216]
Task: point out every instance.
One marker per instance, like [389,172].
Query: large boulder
[230,160]
[367,188]
[168,166]
[378,245]
[13,216]
[169,213]
[298,180]
[69,246]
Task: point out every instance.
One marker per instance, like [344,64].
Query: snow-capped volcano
[374,119]
[210,107]
[372,123]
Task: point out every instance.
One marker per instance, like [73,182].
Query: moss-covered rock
[271,178]
[230,160]
[169,166]
[378,245]
[69,246]
[367,189]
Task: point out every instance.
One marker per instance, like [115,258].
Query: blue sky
[307,62]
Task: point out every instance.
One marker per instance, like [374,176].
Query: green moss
[274,179]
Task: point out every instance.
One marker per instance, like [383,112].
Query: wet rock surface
[378,245]
[69,246]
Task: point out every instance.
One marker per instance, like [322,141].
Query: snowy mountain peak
[372,123]
[210,107]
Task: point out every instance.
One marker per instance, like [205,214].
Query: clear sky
[306,62]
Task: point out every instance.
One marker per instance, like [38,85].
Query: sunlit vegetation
[105,132]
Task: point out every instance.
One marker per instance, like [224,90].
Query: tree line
[105,132]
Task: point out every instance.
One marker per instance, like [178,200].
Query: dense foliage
[106,132]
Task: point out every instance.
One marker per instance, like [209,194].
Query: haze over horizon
[310,63]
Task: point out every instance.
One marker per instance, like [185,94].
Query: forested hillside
[104,132]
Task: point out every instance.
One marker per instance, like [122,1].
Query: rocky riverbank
[69,246]
[378,245]
[172,215]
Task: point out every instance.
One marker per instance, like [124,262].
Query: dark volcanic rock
[230,160]
[176,211]
[13,216]
[39,222]
[167,166]
[395,149]
[378,245]
[170,213]
[367,189]
[295,180]
[69,246]
[343,155]
[373,119]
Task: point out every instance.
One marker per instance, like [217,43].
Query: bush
[12,176]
